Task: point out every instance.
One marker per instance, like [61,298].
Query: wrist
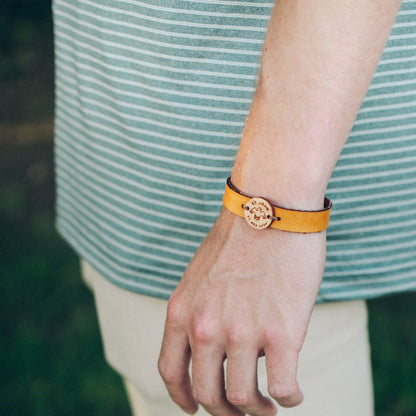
[260,214]
[285,186]
[284,160]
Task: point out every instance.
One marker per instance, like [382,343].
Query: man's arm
[317,63]
[248,292]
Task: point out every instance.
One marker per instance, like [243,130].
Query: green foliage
[25,32]
[393,340]
[51,355]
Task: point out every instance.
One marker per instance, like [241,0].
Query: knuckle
[175,311]
[239,398]
[272,336]
[204,330]
[285,393]
[168,374]
[238,335]
[205,398]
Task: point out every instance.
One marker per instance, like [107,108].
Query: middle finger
[208,387]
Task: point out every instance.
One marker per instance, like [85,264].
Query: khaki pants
[334,368]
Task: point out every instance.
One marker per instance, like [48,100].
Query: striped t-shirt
[151,100]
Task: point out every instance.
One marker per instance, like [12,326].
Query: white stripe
[111,244]
[390,84]
[152,88]
[400,48]
[200,25]
[141,97]
[180,187]
[167,114]
[113,197]
[193,36]
[126,244]
[173,184]
[149,167]
[141,62]
[370,164]
[136,141]
[82,200]
[110,265]
[373,186]
[387,107]
[351,251]
[373,153]
[387,129]
[391,221]
[67,176]
[118,68]
[139,51]
[134,195]
[356,229]
[352,134]
[215,2]
[406,13]
[399,25]
[370,263]
[397,170]
[339,213]
[359,227]
[135,134]
[139,153]
[363,153]
[367,280]
[183,11]
[83,161]
[404,59]
[398,94]
[367,293]
[151,42]
[121,69]
[374,270]
[407,36]
[396,72]
[361,198]
[385,118]
[149,120]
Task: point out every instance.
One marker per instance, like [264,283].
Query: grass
[51,357]
[393,339]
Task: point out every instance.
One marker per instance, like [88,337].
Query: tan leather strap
[259,213]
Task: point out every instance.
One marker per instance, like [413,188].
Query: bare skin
[248,312]
[247,292]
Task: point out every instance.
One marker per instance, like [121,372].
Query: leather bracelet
[259,213]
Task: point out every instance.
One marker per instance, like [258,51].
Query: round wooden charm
[258,213]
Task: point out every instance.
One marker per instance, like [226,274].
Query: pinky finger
[281,376]
[173,366]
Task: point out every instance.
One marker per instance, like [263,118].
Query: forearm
[317,63]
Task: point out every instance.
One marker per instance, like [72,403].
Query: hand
[244,294]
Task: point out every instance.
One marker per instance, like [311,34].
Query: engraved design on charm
[258,213]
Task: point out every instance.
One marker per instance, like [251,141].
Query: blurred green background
[51,359]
